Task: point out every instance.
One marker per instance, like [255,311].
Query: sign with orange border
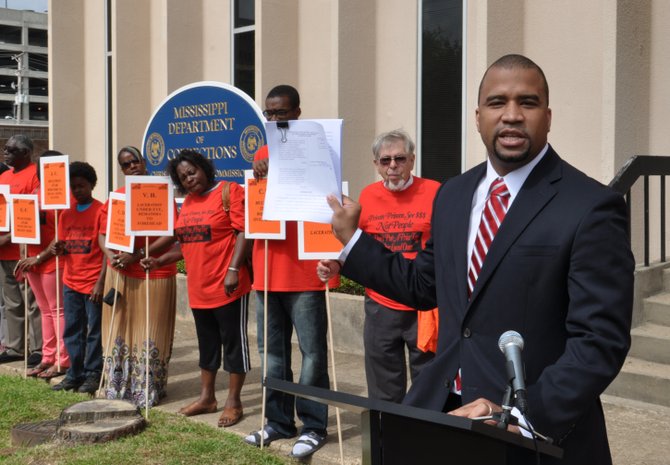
[25,219]
[55,182]
[316,241]
[4,208]
[116,237]
[255,227]
[149,206]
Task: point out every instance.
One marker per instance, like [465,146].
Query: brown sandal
[230,416]
[39,369]
[52,372]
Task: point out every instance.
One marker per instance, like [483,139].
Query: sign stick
[109,336]
[146,335]
[265,340]
[58,287]
[26,318]
[332,357]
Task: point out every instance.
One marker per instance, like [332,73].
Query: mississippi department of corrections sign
[218,120]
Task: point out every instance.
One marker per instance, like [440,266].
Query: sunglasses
[128,164]
[399,160]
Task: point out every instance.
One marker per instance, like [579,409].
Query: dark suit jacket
[560,272]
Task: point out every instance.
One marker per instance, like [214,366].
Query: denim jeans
[306,312]
[82,335]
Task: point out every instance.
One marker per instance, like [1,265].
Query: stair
[645,375]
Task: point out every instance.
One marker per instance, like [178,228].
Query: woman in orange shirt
[210,231]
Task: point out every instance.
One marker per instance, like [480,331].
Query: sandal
[39,369]
[52,372]
[269,435]
[197,409]
[230,416]
[307,444]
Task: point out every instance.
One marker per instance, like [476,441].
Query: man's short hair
[23,142]
[392,136]
[284,90]
[512,61]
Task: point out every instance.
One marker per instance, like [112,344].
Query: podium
[395,434]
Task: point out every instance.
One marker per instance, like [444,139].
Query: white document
[304,168]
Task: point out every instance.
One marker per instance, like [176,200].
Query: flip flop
[39,369]
[269,434]
[52,372]
[230,416]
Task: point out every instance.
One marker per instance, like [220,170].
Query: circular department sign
[218,120]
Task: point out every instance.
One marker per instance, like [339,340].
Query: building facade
[377,64]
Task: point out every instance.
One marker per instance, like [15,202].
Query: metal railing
[644,166]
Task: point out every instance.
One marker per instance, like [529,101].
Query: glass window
[244,13]
[244,62]
[38,37]
[6,83]
[441,88]
[38,86]
[6,109]
[39,111]
[38,62]
[10,34]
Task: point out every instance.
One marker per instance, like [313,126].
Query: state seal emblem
[250,141]
[154,149]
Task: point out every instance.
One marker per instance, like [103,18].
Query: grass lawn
[168,439]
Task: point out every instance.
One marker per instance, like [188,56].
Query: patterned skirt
[125,348]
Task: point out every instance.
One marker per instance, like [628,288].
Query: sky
[36,5]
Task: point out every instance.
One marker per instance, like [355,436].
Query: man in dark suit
[559,271]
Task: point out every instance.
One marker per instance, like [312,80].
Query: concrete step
[643,381]
[651,342]
[666,278]
[657,309]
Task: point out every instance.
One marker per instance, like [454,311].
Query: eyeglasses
[278,113]
[399,160]
[128,164]
[13,150]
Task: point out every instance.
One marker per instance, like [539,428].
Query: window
[6,109]
[244,56]
[37,37]
[10,34]
[39,111]
[38,62]
[441,88]
[7,85]
[37,86]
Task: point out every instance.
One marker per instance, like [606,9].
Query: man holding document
[544,251]
[296,299]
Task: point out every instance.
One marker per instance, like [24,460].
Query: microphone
[511,345]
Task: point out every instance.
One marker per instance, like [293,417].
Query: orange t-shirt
[83,257]
[134,270]
[399,220]
[47,233]
[285,272]
[23,182]
[207,235]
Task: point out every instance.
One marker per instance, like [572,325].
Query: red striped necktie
[492,216]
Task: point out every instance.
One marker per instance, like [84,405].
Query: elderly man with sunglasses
[22,179]
[396,211]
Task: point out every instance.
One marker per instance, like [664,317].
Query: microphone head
[510,337]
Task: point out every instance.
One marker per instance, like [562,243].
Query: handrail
[644,166]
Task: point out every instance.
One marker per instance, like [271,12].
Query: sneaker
[34,359]
[269,434]
[6,357]
[66,385]
[90,385]
[307,444]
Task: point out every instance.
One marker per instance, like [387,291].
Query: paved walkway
[638,432]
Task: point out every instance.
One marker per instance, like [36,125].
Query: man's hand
[482,408]
[345,217]
[327,269]
[260,168]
